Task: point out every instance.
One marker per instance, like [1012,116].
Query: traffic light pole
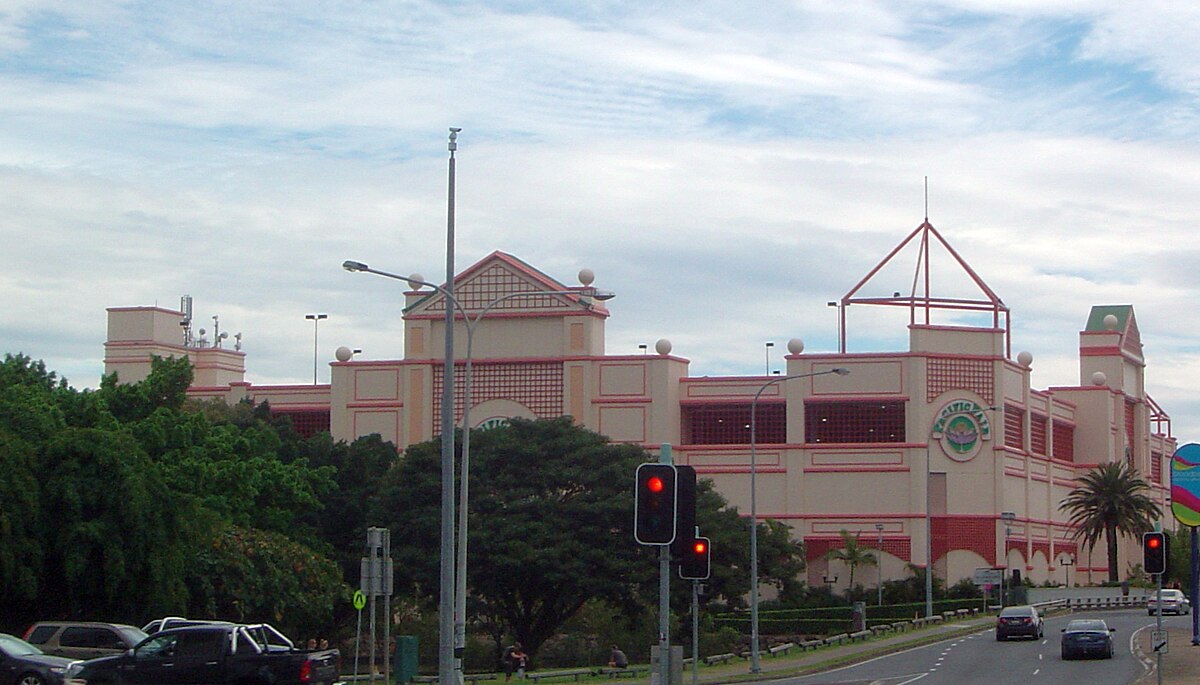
[664,597]
[1158,628]
[695,632]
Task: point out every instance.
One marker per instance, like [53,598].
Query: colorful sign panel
[1185,484]
[961,427]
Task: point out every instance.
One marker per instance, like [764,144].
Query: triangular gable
[1131,337]
[489,280]
[920,296]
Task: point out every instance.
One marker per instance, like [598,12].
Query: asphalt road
[980,660]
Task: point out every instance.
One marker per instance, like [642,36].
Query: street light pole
[1007,517]
[454,304]
[316,319]
[879,561]
[446,655]
[755,664]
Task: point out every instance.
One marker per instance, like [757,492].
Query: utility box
[405,660]
[675,668]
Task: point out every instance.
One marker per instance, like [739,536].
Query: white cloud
[725,172]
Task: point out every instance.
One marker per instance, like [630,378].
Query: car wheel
[31,679]
[1066,656]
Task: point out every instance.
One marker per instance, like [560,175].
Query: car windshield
[16,647]
[1172,594]
[1087,627]
[132,635]
[1016,611]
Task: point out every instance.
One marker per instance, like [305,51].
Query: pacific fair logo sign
[961,427]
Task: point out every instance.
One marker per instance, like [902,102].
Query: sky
[725,168]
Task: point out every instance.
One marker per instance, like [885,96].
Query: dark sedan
[23,664]
[1024,621]
[1087,637]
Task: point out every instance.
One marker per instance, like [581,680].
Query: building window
[854,422]
[307,423]
[1156,459]
[1064,441]
[729,424]
[1037,434]
[1014,427]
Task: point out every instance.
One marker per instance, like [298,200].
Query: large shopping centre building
[949,427]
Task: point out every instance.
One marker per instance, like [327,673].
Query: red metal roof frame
[919,298]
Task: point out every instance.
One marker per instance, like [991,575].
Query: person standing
[520,660]
[506,659]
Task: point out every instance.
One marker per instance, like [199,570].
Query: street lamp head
[603,295]
[351,265]
[842,371]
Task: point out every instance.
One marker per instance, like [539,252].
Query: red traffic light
[1153,542]
[700,546]
[654,484]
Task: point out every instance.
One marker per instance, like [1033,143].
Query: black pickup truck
[216,654]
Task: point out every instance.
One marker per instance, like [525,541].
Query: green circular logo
[960,427]
[360,600]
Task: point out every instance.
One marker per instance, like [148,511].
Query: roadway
[978,659]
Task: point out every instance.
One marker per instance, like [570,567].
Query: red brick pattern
[975,534]
[946,374]
[492,283]
[537,386]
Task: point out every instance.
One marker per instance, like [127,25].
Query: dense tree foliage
[130,502]
[115,502]
[551,529]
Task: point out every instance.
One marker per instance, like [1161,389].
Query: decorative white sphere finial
[663,346]
[1025,359]
[343,353]
[1110,322]
[1099,379]
[414,281]
[586,276]
[795,346]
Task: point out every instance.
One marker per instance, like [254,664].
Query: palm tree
[851,554]
[1110,500]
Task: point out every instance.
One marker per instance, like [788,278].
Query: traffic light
[696,563]
[654,504]
[1154,552]
[685,510]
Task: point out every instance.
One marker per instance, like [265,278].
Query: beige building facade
[942,439]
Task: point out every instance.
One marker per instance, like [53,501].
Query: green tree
[1110,500]
[550,523]
[114,543]
[250,575]
[852,554]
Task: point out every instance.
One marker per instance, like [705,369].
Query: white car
[1173,602]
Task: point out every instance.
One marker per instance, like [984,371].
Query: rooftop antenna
[185,306]
[926,199]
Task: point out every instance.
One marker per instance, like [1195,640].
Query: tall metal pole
[928,531]
[664,596]
[695,631]
[755,663]
[1158,626]
[1195,585]
[446,581]
[316,319]
[879,561]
